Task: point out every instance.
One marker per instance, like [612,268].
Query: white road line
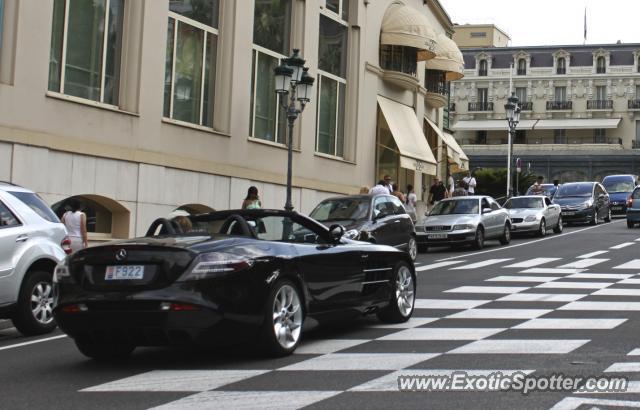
[520,346]
[598,276]
[547,238]
[361,361]
[413,322]
[624,367]
[573,403]
[32,342]
[325,346]
[487,289]
[634,352]
[602,306]
[583,263]
[553,271]
[591,255]
[630,281]
[523,278]
[532,262]
[633,264]
[266,400]
[437,265]
[617,292]
[637,240]
[572,323]
[482,264]
[542,297]
[574,285]
[432,333]
[448,303]
[499,314]
[622,245]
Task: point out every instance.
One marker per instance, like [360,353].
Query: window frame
[13,214]
[208,30]
[483,68]
[601,68]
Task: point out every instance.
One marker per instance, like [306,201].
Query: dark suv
[619,188]
[380,219]
[583,202]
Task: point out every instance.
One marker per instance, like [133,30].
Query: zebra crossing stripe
[624,367]
[552,271]
[591,255]
[487,289]
[574,285]
[583,263]
[265,400]
[634,352]
[447,333]
[622,245]
[629,282]
[482,264]
[598,276]
[327,346]
[617,292]
[437,265]
[633,264]
[532,262]
[361,361]
[542,297]
[523,278]
[448,303]
[573,324]
[520,346]
[573,403]
[605,306]
[499,314]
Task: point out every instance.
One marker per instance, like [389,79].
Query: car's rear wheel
[559,227]
[104,350]
[608,217]
[282,328]
[630,224]
[400,306]
[506,235]
[412,248]
[478,241]
[542,229]
[34,310]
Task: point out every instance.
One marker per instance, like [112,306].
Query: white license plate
[124,272]
[568,213]
[616,208]
[437,236]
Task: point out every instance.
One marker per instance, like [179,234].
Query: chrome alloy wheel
[42,302]
[405,291]
[413,248]
[287,316]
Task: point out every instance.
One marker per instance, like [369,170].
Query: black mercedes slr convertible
[237,276]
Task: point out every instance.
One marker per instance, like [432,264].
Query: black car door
[602,199]
[403,226]
[383,217]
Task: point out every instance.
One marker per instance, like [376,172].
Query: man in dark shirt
[437,191]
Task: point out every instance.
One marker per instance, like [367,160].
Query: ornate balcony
[482,73]
[481,106]
[559,105]
[526,106]
[599,104]
[561,70]
[437,91]
[634,104]
[522,71]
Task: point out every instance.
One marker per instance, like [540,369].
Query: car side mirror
[337,232]
[381,214]
[486,210]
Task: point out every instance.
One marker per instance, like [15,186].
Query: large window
[86,42]
[599,136]
[482,70]
[192,39]
[561,66]
[399,58]
[601,65]
[332,82]
[271,43]
[522,66]
[521,93]
[601,92]
[560,94]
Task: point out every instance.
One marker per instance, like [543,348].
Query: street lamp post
[512,109]
[293,80]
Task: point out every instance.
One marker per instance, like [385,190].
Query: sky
[552,22]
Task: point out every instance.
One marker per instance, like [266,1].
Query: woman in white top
[76,223]
[410,202]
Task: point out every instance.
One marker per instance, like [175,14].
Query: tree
[493,182]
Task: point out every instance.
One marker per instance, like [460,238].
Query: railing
[599,104]
[481,106]
[634,104]
[559,105]
[561,70]
[482,73]
[522,71]
[398,58]
[601,70]
[526,106]
[438,87]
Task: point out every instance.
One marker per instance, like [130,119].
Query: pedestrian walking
[461,189]
[388,183]
[396,192]
[76,222]
[379,189]
[411,199]
[437,192]
[451,184]
[252,201]
[471,183]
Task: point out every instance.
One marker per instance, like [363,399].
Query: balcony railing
[481,106]
[438,87]
[526,106]
[482,73]
[398,58]
[599,104]
[634,104]
[559,105]
[561,70]
[522,71]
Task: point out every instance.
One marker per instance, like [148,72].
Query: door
[489,219]
[499,215]
[552,213]
[603,201]
[10,239]
[402,222]
[383,217]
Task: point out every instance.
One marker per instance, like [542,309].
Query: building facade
[142,107]
[479,36]
[580,106]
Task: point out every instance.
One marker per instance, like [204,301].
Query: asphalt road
[564,304]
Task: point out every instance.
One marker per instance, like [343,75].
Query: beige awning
[492,125]
[415,153]
[405,26]
[574,124]
[453,149]
[448,58]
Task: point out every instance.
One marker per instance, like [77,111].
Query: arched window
[106,218]
[561,66]
[601,67]
[522,66]
[482,69]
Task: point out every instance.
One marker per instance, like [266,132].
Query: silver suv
[32,242]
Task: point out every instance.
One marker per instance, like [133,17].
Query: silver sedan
[534,213]
[464,220]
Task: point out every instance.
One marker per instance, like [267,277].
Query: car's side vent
[377,275]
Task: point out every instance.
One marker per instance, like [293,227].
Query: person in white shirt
[471,183]
[379,189]
[411,199]
[76,223]
[451,184]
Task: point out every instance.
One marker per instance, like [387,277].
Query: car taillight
[217,264]
[178,307]
[66,245]
[629,202]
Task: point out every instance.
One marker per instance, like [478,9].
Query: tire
[281,330]
[402,298]
[542,230]
[34,310]
[559,227]
[506,235]
[608,217]
[594,221]
[104,351]
[412,248]
[478,241]
[630,224]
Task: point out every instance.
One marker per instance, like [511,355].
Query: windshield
[618,185]
[38,206]
[341,209]
[574,190]
[524,203]
[457,207]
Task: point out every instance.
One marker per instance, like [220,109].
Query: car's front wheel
[282,328]
[608,217]
[412,248]
[478,241]
[104,351]
[542,229]
[34,310]
[594,217]
[558,228]
[402,299]
[506,235]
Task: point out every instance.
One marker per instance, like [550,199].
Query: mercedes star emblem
[121,255]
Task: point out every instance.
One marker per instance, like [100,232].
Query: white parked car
[32,243]
[534,213]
